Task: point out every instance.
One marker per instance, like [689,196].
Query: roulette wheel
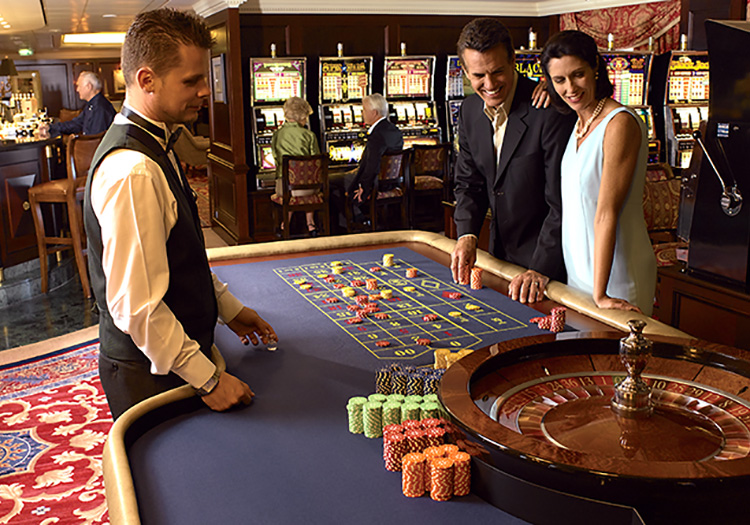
[561,431]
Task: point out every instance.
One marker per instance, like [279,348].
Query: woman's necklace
[582,129]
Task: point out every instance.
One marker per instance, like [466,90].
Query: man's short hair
[378,103]
[92,78]
[296,109]
[483,34]
[154,38]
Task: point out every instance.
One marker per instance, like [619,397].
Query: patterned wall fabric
[631,25]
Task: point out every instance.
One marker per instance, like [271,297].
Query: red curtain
[630,25]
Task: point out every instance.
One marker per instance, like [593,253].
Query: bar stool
[69,191]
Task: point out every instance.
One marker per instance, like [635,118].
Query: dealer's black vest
[190,295]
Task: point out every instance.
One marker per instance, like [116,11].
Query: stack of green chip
[398,398]
[378,398]
[373,419]
[355,409]
[429,410]
[409,411]
[391,413]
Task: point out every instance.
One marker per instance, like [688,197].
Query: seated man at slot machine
[382,137]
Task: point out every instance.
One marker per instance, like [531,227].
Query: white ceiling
[39,24]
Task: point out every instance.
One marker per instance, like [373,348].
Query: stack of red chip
[423,341]
[394,449]
[430,317]
[330,300]
[375,297]
[339,285]
[372,284]
[352,307]
[476,278]
[558,318]
[354,320]
[357,282]
[372,308]
[362,299]
[383,343]
[329,279]
[376,269]
[382,316]
[435,436]
[415,439]
[411,273]
[412,477]
[452,295]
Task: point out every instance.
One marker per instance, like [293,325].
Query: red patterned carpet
[54,420]
[199,182]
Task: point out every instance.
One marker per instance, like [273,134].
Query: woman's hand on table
[612,303]
[250,327]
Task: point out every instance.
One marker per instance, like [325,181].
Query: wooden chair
[302,173]
[429,184]
[68,191]
[392,179]
[661,207]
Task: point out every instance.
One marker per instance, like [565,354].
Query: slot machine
[680,101]
[273,80]
[409,89]
[344,82]
[720,228]
[457,88]
[630,74]
[527,59]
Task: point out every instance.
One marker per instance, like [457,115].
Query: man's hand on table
[463,258]
[42,131]
[250,327]
[228,392]
[528,287]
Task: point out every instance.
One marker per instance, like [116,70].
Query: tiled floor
[59,312]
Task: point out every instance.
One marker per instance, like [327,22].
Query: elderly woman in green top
[293,138]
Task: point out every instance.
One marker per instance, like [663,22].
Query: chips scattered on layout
[330,300]
[410,289]
[338,270]
[430,317]
[305,286]
[454,314]
[299,281]
[411,273]
[383,343]
[336,263]
[354,320]
[388,259]
[386,294]
[452,295]
[473,307]
[423,341]
[339,285]
[382,315]
[376,269]
[349,291]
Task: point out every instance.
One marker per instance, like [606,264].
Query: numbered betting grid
[460,323]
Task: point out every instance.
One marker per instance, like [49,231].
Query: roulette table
[288,457]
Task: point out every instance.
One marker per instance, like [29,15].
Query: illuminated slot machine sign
[454,85]
[629,74]
[408,78]
[344,79]
[527,64]
[688,80]
[409,90]
[654,146]
[276,79]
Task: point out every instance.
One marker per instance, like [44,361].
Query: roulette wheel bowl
[548,447]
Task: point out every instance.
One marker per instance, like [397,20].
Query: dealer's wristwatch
[209,385]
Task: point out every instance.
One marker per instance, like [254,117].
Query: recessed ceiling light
[109,15]
[94,38]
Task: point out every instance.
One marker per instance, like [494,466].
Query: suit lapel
[515,128]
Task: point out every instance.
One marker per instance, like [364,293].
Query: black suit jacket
[385,138]
[96,117]
[522,189]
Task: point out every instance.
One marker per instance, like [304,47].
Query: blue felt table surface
[289,458]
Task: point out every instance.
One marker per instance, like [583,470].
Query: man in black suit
[509,160]
[382,137]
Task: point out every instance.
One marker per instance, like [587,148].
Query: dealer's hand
[528,287]
[250,327]
[229,392]
[463,258]
[540,96]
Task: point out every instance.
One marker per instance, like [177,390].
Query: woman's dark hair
[581,45]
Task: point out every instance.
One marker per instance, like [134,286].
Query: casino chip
[330,279]
[305,286]
[352,307]
[382,315]
[430,317]
[383,343]
[330,300]
[357,282]
[410,289]
[336,263]
[299,281]
[411,273]
[423,341]
[339,285]
[375,297]
[354,320]
[376,269]
[454,314]
[473,307]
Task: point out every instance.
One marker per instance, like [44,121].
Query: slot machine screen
[408,77]
[455,84]
[688,80]
[629,74]
[344,79]
[528,65]
[276,79]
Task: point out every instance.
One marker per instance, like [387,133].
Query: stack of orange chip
[461,473]
[372,284]
[411,273]
[441,479]
[412,477]
[476,278]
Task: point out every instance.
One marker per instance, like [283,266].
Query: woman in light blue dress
[606,248]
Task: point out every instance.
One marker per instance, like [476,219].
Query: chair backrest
[431,160]
[661,204]
[392,166]
[80,153]
[68,114]
[305,170]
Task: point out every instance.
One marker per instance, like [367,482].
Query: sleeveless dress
[633,275]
